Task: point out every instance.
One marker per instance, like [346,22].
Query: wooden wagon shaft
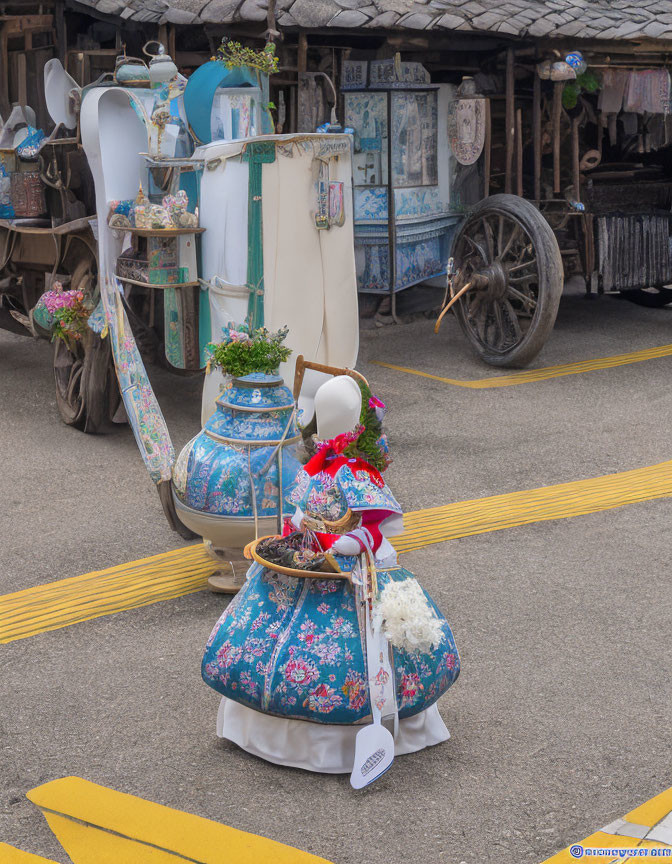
[510,119]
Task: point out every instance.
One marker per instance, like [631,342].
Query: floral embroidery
[328,652]
[340,628]
[449,661]
[325,586]
[354,688]
[254,648]
[248,684]
[228,655]
[307,634]
[211,670]
[260,620]
[323,608]
[411,686]
[300,672]
[323,699]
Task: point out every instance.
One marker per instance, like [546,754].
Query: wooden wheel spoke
[478,248]
[500,231]
[523,280]
[516,267]
[528,301]
[509,243]
[511,316]
[489,240]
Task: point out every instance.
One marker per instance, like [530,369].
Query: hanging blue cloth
[199,94]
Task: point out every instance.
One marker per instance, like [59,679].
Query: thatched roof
[594,19]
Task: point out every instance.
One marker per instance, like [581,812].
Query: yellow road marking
[529,376]
[185,571]
[646,817]
[97,825]
[11,855]
[578,498]
[104,592]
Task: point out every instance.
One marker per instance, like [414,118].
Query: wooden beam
[558,87]
[488,149]
[302,96]
[510,119]
[5,104]
[60,27]
[23,79]
[576,174]
[519,152]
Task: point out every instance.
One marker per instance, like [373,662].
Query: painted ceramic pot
[229,481]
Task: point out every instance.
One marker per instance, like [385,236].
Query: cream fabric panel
[309,275]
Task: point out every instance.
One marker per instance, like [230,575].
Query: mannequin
[289,650]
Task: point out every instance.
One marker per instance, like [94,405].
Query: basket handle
[302,365]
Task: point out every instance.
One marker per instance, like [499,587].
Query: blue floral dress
[294,647]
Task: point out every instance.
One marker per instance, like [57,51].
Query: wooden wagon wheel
[509,253]
[87,393]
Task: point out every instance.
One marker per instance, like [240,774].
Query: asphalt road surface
[560,719]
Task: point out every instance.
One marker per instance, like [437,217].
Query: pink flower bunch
[378,407]
[338,444]
[54,300]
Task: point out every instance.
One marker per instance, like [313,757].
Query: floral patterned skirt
[294,648]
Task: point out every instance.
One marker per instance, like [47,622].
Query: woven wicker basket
[251,552]
[27,194]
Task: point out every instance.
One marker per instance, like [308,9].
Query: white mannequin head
[338,404]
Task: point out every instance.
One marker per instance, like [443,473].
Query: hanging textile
[142,408]
[257,153]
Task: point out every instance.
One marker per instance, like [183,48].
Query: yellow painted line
[185,571]
[653,816]
[11,855]
[104,592]
[578,498]
[529,376]
[97,825]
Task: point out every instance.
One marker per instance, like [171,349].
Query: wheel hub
[492,279]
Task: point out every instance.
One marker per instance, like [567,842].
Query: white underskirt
[327,748]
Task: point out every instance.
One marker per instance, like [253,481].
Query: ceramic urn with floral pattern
[231,482]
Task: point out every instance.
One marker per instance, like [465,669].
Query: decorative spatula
[374,745]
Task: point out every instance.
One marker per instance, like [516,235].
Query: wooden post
[23,79]
[576,175]
[61,31]
[536,135]
[488,149]
[557,112]
[301,66]
[5,104]
[510,119]
[519,152]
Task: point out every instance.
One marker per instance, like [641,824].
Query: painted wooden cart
[52,240]
[572,196]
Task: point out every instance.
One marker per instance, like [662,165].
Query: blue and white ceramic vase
[231,482]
